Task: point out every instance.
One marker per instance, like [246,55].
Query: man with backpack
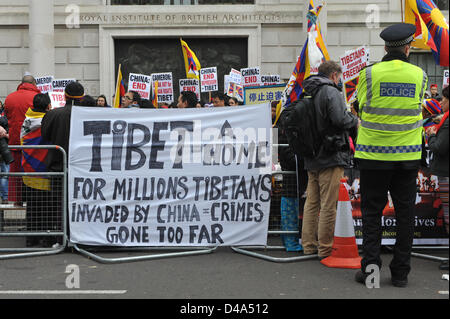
[326,159]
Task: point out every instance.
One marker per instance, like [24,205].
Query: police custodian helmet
[398,35]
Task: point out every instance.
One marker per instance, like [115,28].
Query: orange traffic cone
[345,251]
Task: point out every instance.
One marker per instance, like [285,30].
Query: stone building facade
[84,33]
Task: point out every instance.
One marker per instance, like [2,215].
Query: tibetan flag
[191,62]
[431,28]
[120,89]
[33,160]
[313,54]
[350,89]
[155,94]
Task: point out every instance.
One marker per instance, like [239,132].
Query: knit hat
[432,106]
[74,90]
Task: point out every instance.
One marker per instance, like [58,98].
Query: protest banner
[445,79]
[175,178]
[209,80]
[44,84]
[165,87]
[251,77]
[352,62]
[59,85]
[261,94]
[429,226]
[140,83]
[57,99]
[190,85]
[270,80]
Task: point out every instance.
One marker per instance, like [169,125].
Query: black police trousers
[374,186]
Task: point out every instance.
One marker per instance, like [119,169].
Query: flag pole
[117,86]
[401,4]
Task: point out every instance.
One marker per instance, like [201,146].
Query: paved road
[222,275]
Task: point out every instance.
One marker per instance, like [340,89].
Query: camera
[5,153]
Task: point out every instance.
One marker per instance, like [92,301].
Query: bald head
[29,79]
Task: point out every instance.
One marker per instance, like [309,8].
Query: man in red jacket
[16,105]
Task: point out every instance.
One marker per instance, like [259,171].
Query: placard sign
[59,85]
[235,76]
[190,85]
[140,83]
[44,84]
[352,62]
[251,77]
[209,80]
[270,79]
[165,87]
[181,177]
[445,79]
[57,99]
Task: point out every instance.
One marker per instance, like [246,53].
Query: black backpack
[298,122]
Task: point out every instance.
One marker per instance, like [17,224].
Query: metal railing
[38,210]
[282,180]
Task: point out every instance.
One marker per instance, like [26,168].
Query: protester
[146,104]
[56,126]
[434,92]
[327,168]
[4,167]
[187,99]
[200,104]
[438,143]
[16,105]
[273,110]
[131,99]
[218,99]
[294,186]
[431,112]
[56,130]
[390,147]
[40,212]
[232,101]
[88,101]
[101,101]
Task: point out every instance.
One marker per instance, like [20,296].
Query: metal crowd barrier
[36,209]
[275,229]
[89,253]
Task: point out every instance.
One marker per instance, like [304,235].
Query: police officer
[388,148]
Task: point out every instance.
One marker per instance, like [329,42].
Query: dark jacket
[438,144]
[4,124]
[56,130]
[333,120]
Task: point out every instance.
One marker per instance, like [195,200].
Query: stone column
[41,37]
